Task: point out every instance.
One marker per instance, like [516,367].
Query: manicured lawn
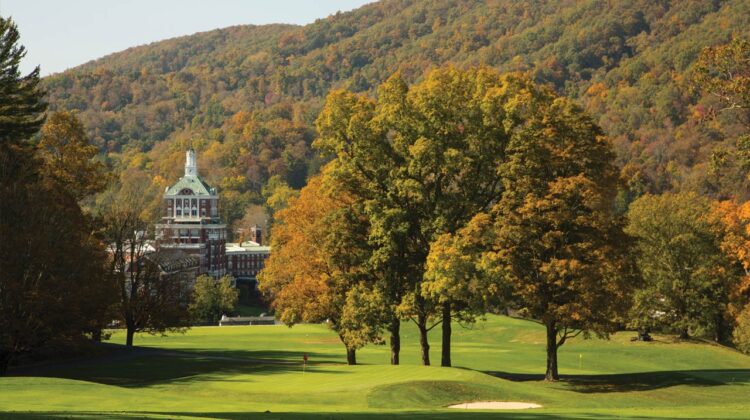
[233,372]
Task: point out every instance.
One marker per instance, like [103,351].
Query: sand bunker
[495,405]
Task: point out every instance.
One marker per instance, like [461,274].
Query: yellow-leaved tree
[69,157]
[555,242]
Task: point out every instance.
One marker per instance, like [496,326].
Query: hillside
[246,96]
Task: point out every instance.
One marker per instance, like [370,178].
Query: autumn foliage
[734,223]
[313,275]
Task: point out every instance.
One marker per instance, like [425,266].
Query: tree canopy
[685,272]
[555,241]
[212,299]
[316,271]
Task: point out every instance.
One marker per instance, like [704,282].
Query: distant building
[169,264]
[175,262]
[190,220]
[245,260]
[177,265]
[190,223]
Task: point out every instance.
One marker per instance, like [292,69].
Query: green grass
[235,372]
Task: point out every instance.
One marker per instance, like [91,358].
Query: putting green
[233,372]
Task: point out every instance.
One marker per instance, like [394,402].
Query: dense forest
[246,97]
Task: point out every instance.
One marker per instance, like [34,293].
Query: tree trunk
[129,336]
[446,356]
[423,343]
[684,335]
[4,362]
[720,334]
[395,330]
[351,356]
[551,374]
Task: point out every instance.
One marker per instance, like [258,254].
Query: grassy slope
[228,371]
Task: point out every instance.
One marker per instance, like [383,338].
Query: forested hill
[246,96]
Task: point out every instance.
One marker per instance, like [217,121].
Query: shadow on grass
[265,356]
[141,367]
[640,381]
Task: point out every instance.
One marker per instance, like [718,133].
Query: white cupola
[191,168]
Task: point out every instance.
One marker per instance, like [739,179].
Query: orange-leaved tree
[734,222]
[316,272]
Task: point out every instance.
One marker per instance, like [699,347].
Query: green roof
[194,183]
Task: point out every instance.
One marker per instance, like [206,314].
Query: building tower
[190,221]
[256,235]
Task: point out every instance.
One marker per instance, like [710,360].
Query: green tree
[346,118]
[455,278]
[277,195]
[53,286]
[555,243]
[146,300]
[424,159]
[20,96]
[686,275]
[21,115]
[741,335]
[212,299]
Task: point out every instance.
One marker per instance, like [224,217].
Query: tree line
[474,191]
